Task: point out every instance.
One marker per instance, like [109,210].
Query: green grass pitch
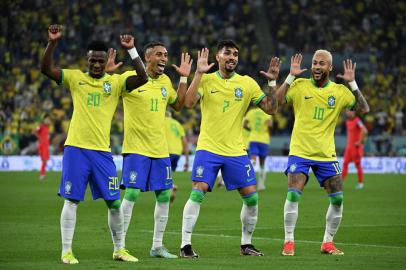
[372,233]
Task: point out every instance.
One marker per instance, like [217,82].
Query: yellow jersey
[223,103]
[174,134]
[144,117]
[94,103]
[316,113]
[258,122]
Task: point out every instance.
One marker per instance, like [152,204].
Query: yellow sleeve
[292,92]
[172,95]
[256,93]
[68,75]
[201,85]
[349,98]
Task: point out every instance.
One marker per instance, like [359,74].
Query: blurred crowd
[372,31]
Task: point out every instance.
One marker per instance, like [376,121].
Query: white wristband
[133,53]
[272,83]
[353,85]
[289,80]
[183,79]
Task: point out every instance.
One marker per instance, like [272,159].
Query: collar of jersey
[104,75]
[219,75]
[314,83]
[152,79]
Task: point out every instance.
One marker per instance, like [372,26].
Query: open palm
[295,62]
[202,61]
[185,65]
[349,71]
[273,70]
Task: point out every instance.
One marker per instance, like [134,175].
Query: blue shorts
[258,149]
[237,171]
[146,173]
[321,169]
[81,166]
[174,161]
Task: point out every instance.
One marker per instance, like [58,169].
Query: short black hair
[46,115]
[152,45]
[97,45]
[227,43]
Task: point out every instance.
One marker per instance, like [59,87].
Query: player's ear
[217,57]
[331,67]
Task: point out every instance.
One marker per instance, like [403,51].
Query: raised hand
[127,41]
[111,66]
[54,32]
[185,65]
[349,71]
[202,65]
[273,70]
[295,62]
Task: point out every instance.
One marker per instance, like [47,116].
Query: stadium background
[373,33]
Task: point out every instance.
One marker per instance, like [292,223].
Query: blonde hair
[330,57]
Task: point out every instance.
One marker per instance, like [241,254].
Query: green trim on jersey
[351,107]
[62,77]
[176,99]
[314,83]
[219,75]
[260,99]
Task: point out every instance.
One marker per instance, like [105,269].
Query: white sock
[161,219]
[262,176]
[333,220]
[68,222]
[127,208]
[190,215]
[249,217]
[291,212]
[116,225]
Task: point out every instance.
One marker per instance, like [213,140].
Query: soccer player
[354,149]
[146,164]
[224,99]
[42,134]
[177,143]
[87,155]
[259,124]
[317,103]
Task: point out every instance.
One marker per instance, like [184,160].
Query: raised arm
[295,70]
[184,72]
[361,105]
[47,67]
[202,66]
[133,82]
[270,103]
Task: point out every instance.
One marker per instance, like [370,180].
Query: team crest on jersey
[292,167]
[331,101]
[133,177]
[199,171]
[238,93]
[107,88]
[68,187]
[164,92]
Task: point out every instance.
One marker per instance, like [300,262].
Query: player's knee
[336,198]
[113,204]
[250,199]
[294,195]
[163,196]
[131,194]
[197,195]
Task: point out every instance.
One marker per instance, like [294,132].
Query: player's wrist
[289,80]
[271,83]
[353,85]
[133,53]
[183,79]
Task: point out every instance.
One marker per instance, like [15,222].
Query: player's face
[97,62]
[47,121]
[321,66]
[156,60]
[227,59]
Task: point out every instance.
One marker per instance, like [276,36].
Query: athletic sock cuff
[197,195]
[250,199]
